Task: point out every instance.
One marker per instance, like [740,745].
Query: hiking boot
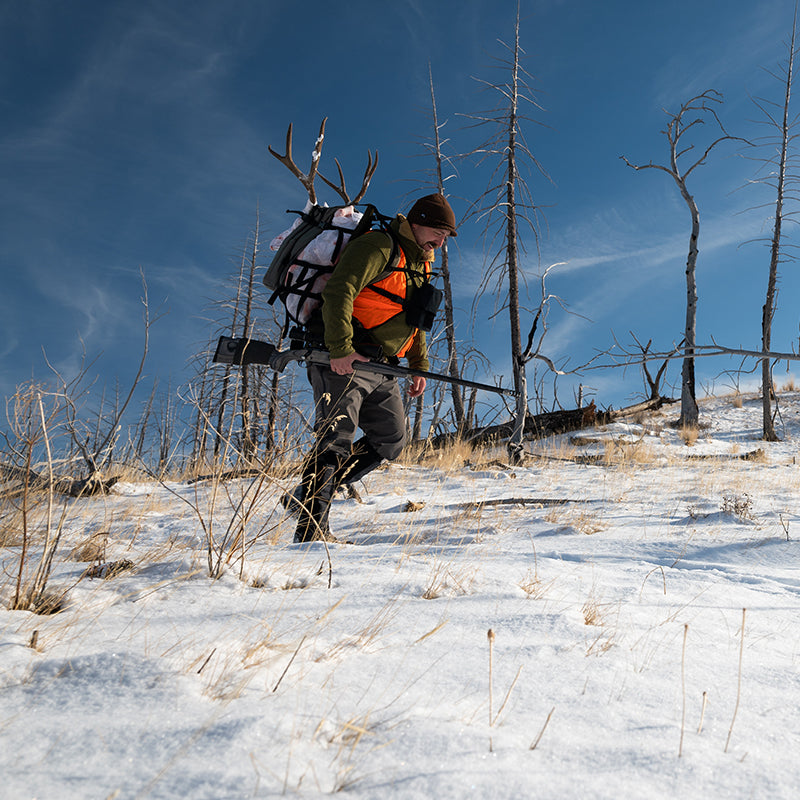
[317,490]
[362,460]
[303,536]
[323,474]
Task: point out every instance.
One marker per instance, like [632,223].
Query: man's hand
[417,386]
[344,365]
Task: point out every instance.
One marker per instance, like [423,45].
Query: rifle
[240,352]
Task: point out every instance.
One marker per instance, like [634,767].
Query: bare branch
[627,359]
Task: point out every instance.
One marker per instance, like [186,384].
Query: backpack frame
[297,281]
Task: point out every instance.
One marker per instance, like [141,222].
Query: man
[369,300]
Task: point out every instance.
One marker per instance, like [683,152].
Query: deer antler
[341,189]
[306,180]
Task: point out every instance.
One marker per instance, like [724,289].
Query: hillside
[615,576]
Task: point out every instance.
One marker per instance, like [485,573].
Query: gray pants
[363,400]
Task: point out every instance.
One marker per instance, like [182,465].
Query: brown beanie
[433,211]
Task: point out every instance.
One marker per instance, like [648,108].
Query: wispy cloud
[601,266]
[731,61]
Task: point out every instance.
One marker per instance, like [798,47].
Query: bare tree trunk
[227,380]
[515,449]
[222,406]
[473,399]
[689,411]
[165,426]
[768,310]
[248,397]
[141,436]
[691,114]
[200,428]
[270,441]
[511,201]
[449,325]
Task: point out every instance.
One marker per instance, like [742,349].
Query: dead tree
[691,114]
[781,180]
[136,448]
[653,384]
[436,178]
[94,441]
[65,437]
[453,369]
[508,204]
[232,391]
[236,408]
[248,395]
[537,426]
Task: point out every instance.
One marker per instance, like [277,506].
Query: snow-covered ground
[618,665]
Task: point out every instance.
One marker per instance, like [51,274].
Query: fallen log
[751,455]
[537,426]
[653,404]
[549,423]
[515,501]
[29,480]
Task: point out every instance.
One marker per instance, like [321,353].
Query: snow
[619,663]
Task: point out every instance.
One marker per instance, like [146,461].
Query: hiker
[378,295]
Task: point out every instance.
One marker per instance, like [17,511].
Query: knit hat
[433,211]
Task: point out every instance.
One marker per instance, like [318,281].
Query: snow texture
[620,666]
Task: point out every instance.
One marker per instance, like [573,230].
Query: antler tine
[368,173]
[286,159]
[307,181]
[341,189]
[315,156]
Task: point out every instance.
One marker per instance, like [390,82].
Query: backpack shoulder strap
[397,259]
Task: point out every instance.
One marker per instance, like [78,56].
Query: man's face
[429,238]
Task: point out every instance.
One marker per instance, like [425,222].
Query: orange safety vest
[373,308]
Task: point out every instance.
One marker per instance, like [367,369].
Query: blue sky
[135,135]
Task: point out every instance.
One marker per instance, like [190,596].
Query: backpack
[308,251]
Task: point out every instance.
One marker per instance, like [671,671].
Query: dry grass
[607,450]
[532,585]
[53,600]
[92,548]
[10,527]
[377,627]
[623,453]
[595,615]
[446,580]
[591,612]
[452,457]
[576,517]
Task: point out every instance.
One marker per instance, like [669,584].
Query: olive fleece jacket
[363,260]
